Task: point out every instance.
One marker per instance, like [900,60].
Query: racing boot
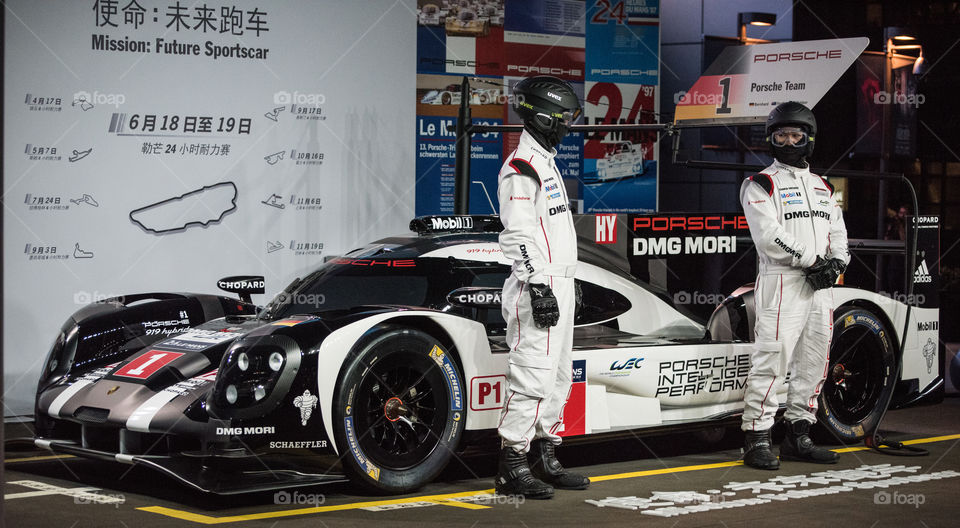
[546,467]
[756,451]
[514,477]
[798,446]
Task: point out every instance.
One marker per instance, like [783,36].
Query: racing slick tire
[859,380]
[398,411]
[446,98]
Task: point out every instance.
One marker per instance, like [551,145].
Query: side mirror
[475,297]
[243,285]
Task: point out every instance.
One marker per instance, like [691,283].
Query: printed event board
[608,50]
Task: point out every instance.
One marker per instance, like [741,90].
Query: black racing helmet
[794,114]
[548,106]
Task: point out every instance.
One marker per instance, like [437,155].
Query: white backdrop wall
[322,126]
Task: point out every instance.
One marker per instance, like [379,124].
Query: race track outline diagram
[177,214]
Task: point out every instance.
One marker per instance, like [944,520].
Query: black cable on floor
[874,440]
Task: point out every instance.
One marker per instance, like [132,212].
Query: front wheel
[399,410]
[860,376]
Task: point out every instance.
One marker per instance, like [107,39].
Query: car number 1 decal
[147,364]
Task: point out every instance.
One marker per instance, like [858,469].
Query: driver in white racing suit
[538,300]
[801,241]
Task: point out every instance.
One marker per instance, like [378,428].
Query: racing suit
[539,238]
[793,218]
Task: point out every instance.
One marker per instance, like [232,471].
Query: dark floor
[74,493]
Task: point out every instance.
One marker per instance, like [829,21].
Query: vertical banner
[160,145]
[622,75]
[498,42]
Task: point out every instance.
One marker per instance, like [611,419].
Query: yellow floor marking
[206,519]
[663,471]
[441,499]
[36,458]
[458,504]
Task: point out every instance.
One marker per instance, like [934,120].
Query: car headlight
[254,373]
[276,361]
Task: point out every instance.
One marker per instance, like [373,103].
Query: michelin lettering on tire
[450,373]
[354,444]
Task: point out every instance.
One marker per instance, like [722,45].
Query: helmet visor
[567,117]
[792,136]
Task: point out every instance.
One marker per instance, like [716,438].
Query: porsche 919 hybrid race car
[381,364]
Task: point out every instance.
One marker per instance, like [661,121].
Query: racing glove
[824,273]
[545,310]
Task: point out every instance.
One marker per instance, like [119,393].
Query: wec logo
[632,363]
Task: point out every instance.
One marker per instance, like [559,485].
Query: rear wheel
[860,377]
[399,410]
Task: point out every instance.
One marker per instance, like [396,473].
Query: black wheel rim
[855,378]
[401,410]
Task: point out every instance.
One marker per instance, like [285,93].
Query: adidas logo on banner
[923,273]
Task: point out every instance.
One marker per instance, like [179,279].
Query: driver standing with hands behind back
[801,240]
[538,300]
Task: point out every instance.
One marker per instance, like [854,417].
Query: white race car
[450,95]
[623,161]
[384,359]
